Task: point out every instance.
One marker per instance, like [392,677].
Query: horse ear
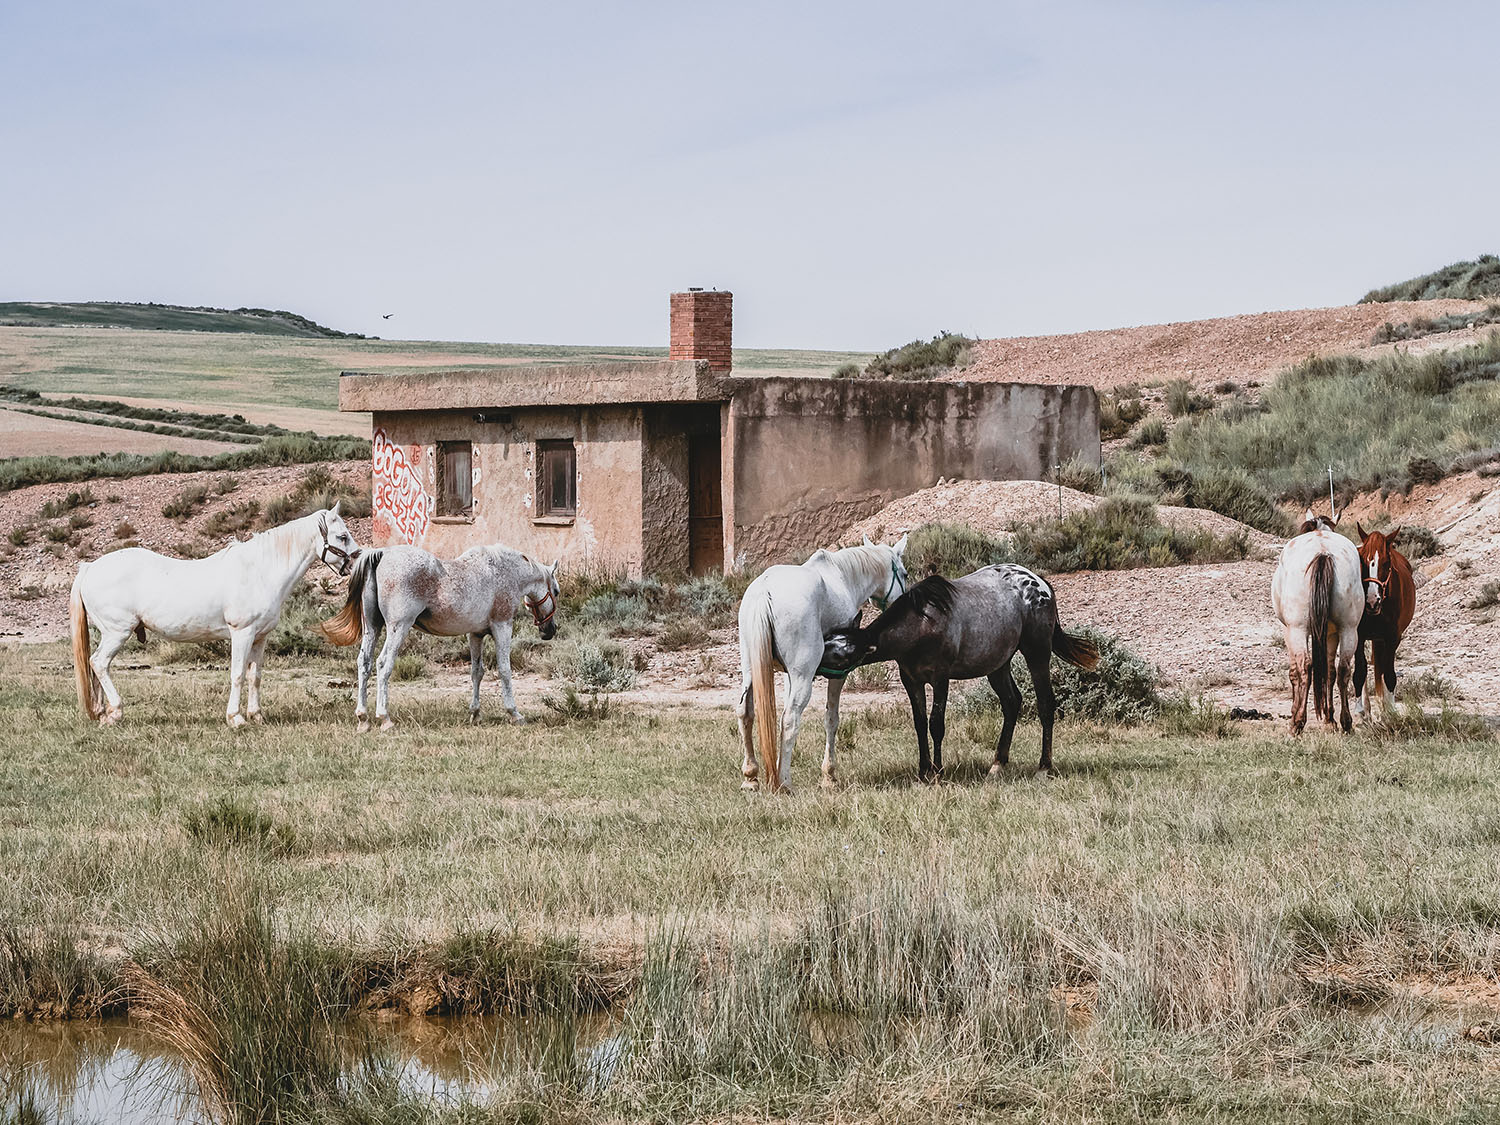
[1359,526]
[900,547]
[866,542]
[336,504]
[553,568]
[1333,520]
[1390,536]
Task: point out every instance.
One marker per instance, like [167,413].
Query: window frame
[443,482]
[547,451]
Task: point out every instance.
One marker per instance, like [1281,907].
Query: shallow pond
[85,1071]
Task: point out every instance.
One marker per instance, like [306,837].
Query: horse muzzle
[547,630]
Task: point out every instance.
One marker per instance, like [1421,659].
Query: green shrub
[54,509]
[408,666]
[125,530]
[1232,492]
[1487,595]
[1118,412]
[1182,399]
[952,550]
[57,533]
[847,371]
[233,519]
[186,503]
[1081,474]
[921,359]
[1153,431]
[709,597]
[601,666]
[685,632]
[1418,542]
[1120,689]
[20,535]
[1120,532]
[80,520]
[1463,280]
[619,613]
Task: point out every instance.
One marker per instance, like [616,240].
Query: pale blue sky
[857,173]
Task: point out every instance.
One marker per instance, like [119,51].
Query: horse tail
[1320,610]
[89,689]
[345,626]
[1077,651]
[756,635]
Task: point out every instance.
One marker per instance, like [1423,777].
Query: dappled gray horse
[479,592]
[940,631]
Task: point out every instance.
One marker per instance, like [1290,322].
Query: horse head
[543,606]
[337,549]
[1311,521]
[1375,562]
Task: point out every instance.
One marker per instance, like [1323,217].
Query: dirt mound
[1243,348]
[992,506]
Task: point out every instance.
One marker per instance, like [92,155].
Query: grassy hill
[1462,280]
[175,318]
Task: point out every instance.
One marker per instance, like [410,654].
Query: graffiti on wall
[398,493]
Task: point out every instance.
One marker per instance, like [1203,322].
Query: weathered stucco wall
[812,456]
[607,441]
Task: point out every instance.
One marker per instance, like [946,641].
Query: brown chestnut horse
[1390,600]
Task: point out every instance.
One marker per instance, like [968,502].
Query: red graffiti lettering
[398,495]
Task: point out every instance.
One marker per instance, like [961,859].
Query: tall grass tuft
[920,359]
[252,1014]
[1464,280]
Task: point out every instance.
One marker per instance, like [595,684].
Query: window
[455,465]
[556,479]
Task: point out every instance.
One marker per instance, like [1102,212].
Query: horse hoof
[749,785]
[473,718]
[386,724]
[362,726]
[236,721]
[518,718]
[257,717]
[112,717]
[830,781]
[996,770]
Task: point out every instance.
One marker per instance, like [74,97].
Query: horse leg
[1380,658]
[1010,703]
[1332,648]
[395,637]
[109,643]
[1345,664]
[1299,672]
[1361,697]
[365,663]
[1039,664]
[916,692]
[938,724]
[257,658]
[744,713]
[476,673]
[831,727]
[501,630]
[240,642]
[798,696]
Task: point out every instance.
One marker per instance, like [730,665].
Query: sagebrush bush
[617,612]
[1183,399]
[186,503]
[1078,473]
[1120,689]
[1120,532]
[1153,431]
[1118,411]
[1418,542]
[708,596]
[1463,280]
[952,550]
[921,359]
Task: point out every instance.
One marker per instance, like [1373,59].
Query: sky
[859,174]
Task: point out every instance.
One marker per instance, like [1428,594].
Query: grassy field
[224,370]
[1179,927]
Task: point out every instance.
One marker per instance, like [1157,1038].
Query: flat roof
[583,384]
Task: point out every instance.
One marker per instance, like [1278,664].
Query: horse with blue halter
[784,616]
[943,630]
[1390,602]
[479,593]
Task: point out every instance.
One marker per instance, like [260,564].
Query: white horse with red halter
[784,616]
[478,593]
[235,595]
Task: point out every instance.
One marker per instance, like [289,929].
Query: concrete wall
[607,441]
[811,456]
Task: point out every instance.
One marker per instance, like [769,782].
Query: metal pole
[1332,514]
[1057,476]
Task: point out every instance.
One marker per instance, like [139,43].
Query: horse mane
[869,563]
[934,592]
[284,542]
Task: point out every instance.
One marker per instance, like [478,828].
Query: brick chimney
[703,327]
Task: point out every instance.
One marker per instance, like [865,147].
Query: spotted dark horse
[940,631]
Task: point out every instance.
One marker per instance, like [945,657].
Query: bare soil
[1247,348]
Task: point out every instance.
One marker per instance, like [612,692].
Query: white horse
[784,616]
[236,594]
[478,593]
[1317,595]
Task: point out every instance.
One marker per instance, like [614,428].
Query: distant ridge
[177,318]
[1462,280]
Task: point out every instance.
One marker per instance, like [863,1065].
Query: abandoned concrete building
[675,465]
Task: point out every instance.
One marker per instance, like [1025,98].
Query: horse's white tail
[89,690]
[759,648]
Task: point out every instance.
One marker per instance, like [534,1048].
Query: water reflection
[81,1072]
